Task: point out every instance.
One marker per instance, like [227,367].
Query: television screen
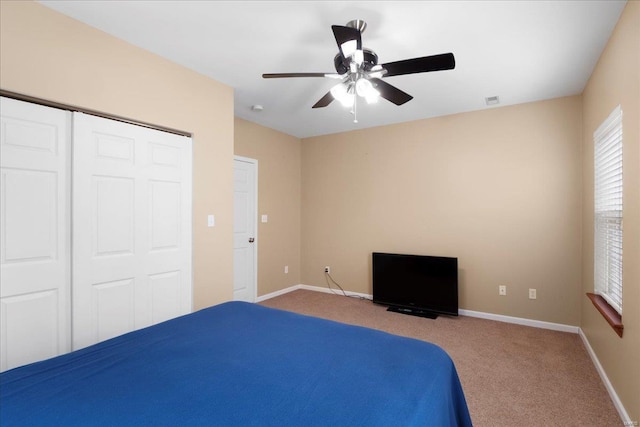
[416,284]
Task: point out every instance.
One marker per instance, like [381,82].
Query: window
[608,210]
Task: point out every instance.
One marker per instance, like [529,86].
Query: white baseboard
[334,291]
[521,321]
[603,376]
[310,288]
[470,313]
[278,293]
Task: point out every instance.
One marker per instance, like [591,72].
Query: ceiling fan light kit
[361,74]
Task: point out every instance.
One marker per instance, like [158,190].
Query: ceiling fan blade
[391,93]
[345,35]
[445,61]
[324,101]
[281,75]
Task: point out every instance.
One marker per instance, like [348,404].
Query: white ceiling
[521,51]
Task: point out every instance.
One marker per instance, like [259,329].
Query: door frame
[253,162]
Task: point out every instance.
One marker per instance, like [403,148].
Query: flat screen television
[416,284]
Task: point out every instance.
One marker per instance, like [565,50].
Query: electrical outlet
[502,290]
[327,269]
[532,294]
[286,269]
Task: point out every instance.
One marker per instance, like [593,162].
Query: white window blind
[608,209]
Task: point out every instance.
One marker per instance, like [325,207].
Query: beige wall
[499,189]
[48,55]
[279,184]
[616,81]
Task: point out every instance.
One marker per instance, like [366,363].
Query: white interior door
[244,229]
[34,229]
[131,228]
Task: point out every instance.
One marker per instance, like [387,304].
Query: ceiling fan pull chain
[355,109]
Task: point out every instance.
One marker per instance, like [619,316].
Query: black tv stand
[413,312]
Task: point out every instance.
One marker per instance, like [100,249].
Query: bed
[240,364]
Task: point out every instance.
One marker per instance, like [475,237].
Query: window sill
[611,316]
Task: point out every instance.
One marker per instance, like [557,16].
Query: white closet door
[34,229]
[131,228]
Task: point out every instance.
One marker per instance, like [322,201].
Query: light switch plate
[211,220]
[265,218]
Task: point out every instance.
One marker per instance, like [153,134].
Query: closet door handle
[251,240]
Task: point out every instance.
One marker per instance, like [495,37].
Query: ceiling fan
[360,73]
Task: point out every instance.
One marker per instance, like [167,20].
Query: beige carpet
[512,375]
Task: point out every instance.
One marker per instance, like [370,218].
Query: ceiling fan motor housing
[342,64]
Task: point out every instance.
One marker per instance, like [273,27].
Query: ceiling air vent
[492,100]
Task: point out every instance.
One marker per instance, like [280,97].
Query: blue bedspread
[240,364]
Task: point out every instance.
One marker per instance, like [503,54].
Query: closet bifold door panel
[34,233]
[95,229]
[131,227]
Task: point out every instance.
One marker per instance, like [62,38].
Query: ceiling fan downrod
[358,24]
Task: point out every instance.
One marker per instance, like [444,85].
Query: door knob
[251,239]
